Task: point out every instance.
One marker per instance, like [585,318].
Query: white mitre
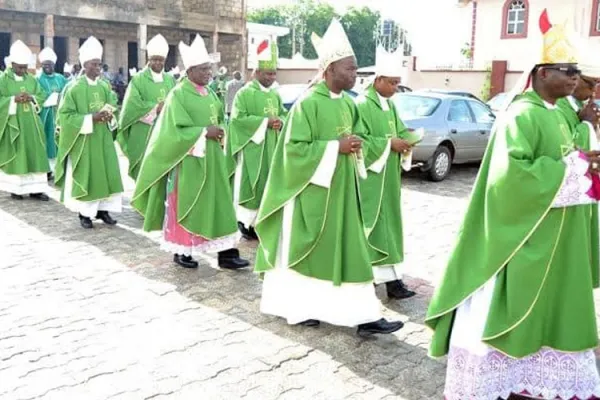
[48,55]
[91,49]
[20,53]
[589,64]
[389,64]
[158,46]
[333,46]
[194,54]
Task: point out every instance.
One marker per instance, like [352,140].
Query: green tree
[466,51]
[361,25]
[307,16]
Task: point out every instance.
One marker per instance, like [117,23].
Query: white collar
[336,95]
[573,103]
[91,82]
[18,78]
[549,106]
[264,89]
[383,101]
[157,78]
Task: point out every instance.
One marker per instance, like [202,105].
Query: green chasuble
[96,172]
[50,84]
[328,240]
[22,139]
[252,107]
[204,205]
[142,96]
[541,257]
[380,192]
[583,132]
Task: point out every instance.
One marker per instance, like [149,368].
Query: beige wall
[470,81]
[519,52]
[289,76]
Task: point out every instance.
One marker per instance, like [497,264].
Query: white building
[258,33]
[509,29]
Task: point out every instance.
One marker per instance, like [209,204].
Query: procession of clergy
[319,188]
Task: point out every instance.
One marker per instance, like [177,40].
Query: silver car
[457,129]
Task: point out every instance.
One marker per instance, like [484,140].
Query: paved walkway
[104,314]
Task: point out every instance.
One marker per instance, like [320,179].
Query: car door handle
[453,131]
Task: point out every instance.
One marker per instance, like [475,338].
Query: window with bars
[515,21]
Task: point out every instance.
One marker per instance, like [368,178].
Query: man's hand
[23,98]
[400,145]
[101,117]
[159,107]
[590,113]
[275,124]
[350,144]
[594,159]
[215,133]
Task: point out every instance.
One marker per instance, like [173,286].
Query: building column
[215,41]
[73,50]
[49,31]
[142,44]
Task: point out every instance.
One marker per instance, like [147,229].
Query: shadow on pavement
[457,185]
[397,363]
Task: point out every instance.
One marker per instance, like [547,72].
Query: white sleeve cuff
[199,149]
[259,135]
[149,118]
[378,165]
[407,160]
[52,100]
[576,184]
[324,173]
[12,107]
[87,127]
[593,138]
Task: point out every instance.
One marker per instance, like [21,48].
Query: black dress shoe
[247,233]
[252,233]
[230,259]
[106,218]
[16,196]
[39,196]
[398,290]
[382,326]
[311,323]
[185,261]
[85,222]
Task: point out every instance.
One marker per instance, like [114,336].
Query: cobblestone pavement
[105,315]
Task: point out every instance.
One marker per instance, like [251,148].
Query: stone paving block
[104,314]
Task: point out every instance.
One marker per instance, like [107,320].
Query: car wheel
[441,162]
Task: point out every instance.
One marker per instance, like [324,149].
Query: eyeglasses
[568,71]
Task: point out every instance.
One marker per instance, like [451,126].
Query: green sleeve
[243,124]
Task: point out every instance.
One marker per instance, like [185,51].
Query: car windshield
[289,93]
[413,107]
[497,100]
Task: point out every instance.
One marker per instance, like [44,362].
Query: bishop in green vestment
[256,121]
[87,168]
[185,167]
[387,139]
[514,310]
[313,251]
[52,84]
[143,102]
[23,160]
